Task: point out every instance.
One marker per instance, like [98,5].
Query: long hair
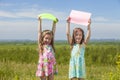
[73,37]
[42,37]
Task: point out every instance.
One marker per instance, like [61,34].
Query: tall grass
[19,61]
[24,71]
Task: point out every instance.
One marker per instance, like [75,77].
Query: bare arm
[88,32]
[68,31]
[39,30]
[54,28]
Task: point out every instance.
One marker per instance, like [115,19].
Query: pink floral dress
[46,62]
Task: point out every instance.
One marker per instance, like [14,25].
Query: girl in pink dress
[47,59]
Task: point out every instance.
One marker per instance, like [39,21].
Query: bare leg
[50,77]
[43,78]
[72,78]
[80,79]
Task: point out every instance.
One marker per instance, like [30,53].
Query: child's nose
[78,36]
[47,40]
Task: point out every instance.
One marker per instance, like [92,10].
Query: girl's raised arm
[39,30]
[54,27]
[68,31]
[88,32]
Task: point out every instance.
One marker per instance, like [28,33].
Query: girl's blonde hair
[73,37]
[42,37]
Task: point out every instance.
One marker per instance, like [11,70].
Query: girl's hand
[89,22]
[68,20]
[54,23]
[39,18]
[57,20]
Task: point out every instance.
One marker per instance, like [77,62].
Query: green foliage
[18,61]
[102,54]
[115,75]
[19,54]
[99,54]
[62,54]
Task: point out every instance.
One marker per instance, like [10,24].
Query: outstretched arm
[88,32]
[54,28]
[68,31]
[39,30]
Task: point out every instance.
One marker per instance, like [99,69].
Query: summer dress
[46,62]
[77,62]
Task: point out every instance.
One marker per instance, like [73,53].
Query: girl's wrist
[88,28]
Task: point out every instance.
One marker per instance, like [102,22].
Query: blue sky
[18,18]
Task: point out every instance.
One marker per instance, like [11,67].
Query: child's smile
[78,36]
[47,39]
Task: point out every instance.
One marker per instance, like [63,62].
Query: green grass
[18,61]
[23,71]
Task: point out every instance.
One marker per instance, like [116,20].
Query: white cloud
[20,14]
[8,14]
[23,27]
[27,29]
[18,29]
[26,14]
[31,13]
[100,19]
[105,30]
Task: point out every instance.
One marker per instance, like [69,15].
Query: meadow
[18,60]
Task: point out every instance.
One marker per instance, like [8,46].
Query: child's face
[78,36]
[47,39]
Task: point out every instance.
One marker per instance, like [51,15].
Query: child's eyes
[78,35]
[48,38]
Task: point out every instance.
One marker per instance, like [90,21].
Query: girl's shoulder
[84,44]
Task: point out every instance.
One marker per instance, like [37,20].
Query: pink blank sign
[79,17]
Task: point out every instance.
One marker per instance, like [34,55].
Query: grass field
[18,61]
